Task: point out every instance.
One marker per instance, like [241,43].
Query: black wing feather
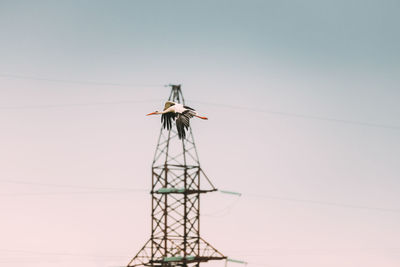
[182,123]
[166,120]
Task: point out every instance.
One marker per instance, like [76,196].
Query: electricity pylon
[175,206]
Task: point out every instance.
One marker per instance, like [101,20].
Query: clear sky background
[303,100]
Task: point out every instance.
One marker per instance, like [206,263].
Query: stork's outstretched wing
[166,120]
[189,108]
[182,123]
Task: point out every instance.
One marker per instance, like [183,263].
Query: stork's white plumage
[178,112]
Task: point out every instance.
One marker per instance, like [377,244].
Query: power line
[101,189]
[24,77]
[260,252]
[279,113]
[34,252]
[326,203]
[224,211]
[89,189]
[20,255]
[114,190]
[62,185]
[72,193]
[86,104]
[302,116]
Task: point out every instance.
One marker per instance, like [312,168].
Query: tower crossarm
[165,190]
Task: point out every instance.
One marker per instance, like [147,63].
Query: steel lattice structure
[175,227]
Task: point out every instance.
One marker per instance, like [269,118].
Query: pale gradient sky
[329,59]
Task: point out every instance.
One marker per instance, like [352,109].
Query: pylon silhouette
[175,206]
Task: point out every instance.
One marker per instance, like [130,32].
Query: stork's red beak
[153,113]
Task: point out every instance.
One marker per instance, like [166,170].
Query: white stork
[178,112]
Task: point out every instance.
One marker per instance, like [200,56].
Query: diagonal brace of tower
[175,206]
